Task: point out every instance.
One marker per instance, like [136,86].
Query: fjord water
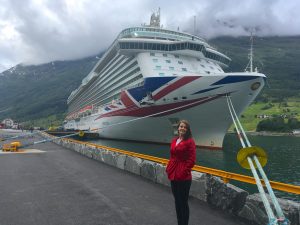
[283,158]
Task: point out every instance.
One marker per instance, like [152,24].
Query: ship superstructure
[150,78]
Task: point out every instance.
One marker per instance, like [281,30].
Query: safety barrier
[226,176]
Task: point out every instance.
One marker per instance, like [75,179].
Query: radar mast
[155,19]
[249,66]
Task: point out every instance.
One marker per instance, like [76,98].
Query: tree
[275,125]
[293,123]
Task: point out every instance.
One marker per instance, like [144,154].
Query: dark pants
[180,190]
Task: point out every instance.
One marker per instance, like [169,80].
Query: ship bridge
[152,39]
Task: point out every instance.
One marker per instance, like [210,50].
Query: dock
[49,184]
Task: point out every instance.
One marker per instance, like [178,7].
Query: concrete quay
[57,186]
[219,203]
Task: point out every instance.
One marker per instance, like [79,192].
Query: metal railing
[226,176]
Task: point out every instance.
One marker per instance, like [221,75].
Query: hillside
[37,92]
[31,92]
[277,57]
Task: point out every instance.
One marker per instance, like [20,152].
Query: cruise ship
[150,78]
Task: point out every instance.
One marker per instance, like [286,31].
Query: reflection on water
[283,158]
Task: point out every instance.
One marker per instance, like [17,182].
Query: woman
[183,156]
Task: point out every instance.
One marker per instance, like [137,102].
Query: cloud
[40,31]
[235,18]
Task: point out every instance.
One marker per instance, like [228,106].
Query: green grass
[249,122]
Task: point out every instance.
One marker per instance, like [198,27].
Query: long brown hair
[188,133]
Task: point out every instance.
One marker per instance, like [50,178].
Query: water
[283,158]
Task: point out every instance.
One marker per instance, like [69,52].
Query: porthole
[255,86]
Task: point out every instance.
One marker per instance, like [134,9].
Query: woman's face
[182,129]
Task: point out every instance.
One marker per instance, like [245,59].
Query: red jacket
[182,160]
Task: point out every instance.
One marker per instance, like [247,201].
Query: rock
[254,210]
[109,158]
[225,196]
[133,165]
[161,175]
[148,170]
[121,159]
[199,186]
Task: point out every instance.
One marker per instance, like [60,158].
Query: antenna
[250,55]
[194,25]
[155,19]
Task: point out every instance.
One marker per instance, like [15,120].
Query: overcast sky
[40,31]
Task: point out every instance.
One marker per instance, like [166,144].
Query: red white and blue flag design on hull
[159,88]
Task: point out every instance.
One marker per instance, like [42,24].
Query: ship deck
[59,186]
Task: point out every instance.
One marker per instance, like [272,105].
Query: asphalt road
[61,187]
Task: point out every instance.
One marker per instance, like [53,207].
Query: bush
[293,123]
[277,124]
[268,106]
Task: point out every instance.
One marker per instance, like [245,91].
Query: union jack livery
[150,78]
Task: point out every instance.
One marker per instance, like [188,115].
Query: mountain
[276,57]
[38,91]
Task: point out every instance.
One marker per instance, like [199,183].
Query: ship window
[207,72]
[158,67]
[161,74]
[154,47]
[175,98]
[168,61]
[191,46]
[158,46]
[171,68]
[164,48]
[202,65]
[180,62]
[174,74]
[165,55]
[183,69]
[155,60]
[152,54]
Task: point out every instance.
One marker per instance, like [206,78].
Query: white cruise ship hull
[200,100]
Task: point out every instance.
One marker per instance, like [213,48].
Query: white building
[8,123]
[297,131]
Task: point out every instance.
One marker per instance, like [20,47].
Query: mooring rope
[272,219]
